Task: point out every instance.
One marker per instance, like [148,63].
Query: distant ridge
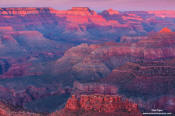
[75,11]
[25,11]
[45,10]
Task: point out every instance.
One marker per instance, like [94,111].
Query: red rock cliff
[165,30]
[100,103]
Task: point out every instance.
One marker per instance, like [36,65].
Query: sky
[97,5]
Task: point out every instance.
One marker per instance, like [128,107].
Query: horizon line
[90,8]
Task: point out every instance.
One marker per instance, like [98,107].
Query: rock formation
[165,30]
[97,62]
[97,105]
[111,12]
[100,103]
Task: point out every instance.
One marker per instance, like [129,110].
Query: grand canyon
[80,62]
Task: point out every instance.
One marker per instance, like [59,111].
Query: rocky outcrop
[165,30]
[73,104]
[100,103]
[81,11]
[111,12]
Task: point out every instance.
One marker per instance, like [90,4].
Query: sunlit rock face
[97,99]
[98,105]
[81,11]
[82,22]
[112,12]
[109,12]
[165,30]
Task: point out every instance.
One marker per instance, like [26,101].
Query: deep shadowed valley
[80,62]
